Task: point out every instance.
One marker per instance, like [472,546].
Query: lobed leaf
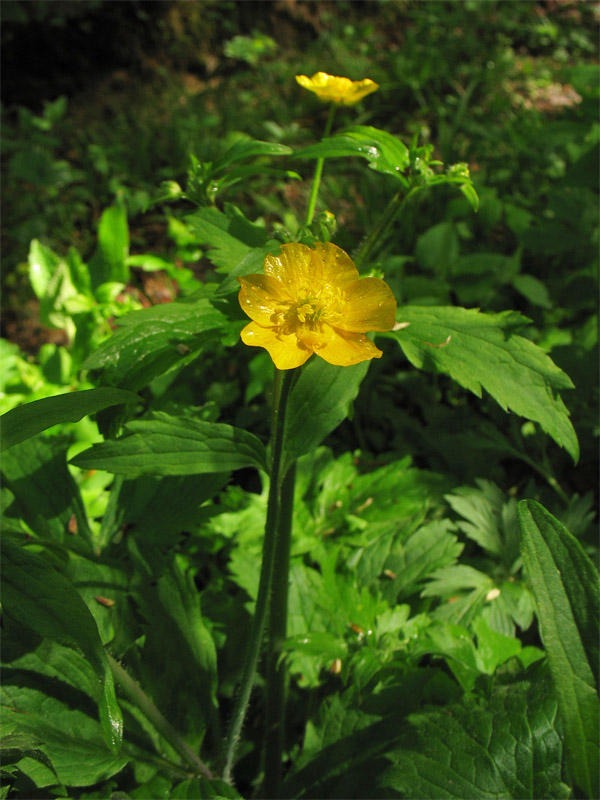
[230,235]
[151,341]
[482,351]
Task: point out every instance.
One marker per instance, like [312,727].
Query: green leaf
[230,235]
[482,351]
[50,278]
[151,341]
[566,588]
[509,749]
[46,496]
[166,445]
[41,599]
[28,420]
[109,262]
[69,737]
[248,148]
[533,289]
[384,152]
[320,400]
[252,262]
[503,749]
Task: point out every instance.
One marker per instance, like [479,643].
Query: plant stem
[282,385]
[276,668]
[151,712]
[319,169]
[374,238]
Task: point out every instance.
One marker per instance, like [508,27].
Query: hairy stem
[283,382]
[276,668]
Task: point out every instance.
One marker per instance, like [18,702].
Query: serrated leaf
[319,401]
[30,419]
[482,351]
[566,588]
[70,737]
[41,599]
[230,235]
[166,445]
[151,341]
[510,749]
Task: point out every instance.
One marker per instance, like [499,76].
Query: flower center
[310,310]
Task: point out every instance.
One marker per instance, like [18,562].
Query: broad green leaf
[384,152]
[230,235]
[507,749]
[28,420]
[41,599]
[482,351]
[248,148]
[166,445]
[109,263]
[319,401]
[152,341]
[566,588]
[46,496]
[69,737]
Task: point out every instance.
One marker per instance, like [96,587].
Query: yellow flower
[312,300]
[337,90]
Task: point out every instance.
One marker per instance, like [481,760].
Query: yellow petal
[337,89]
[359,90]
[285,349]
[345,349]
[262,297]
[302,269]
[370,306]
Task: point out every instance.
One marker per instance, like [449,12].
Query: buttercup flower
[312,300]
[337,90]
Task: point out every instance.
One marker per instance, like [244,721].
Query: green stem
[376,235]
[282,385]
[151,712]
[276,667]
[319,169]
